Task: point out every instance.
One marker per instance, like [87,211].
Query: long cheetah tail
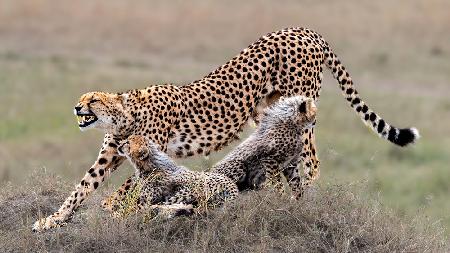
[398,136]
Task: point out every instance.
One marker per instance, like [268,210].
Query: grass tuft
[332,218]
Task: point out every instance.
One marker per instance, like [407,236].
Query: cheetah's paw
[47,223]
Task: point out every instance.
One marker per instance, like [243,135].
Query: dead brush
[130,204]
[336,218]
[274,184]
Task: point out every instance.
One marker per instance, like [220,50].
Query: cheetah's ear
[143,153]
[302,107]
[122,97]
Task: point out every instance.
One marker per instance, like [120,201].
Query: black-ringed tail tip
[403,137]
[398,136]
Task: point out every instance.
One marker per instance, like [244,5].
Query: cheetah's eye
[302,107]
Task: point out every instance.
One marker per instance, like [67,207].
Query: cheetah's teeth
[85,119]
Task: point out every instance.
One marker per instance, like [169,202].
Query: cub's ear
[302,107]
[143,153]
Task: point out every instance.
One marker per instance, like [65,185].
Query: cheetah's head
[102,111]
[305,110]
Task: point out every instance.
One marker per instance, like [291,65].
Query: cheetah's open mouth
[85,120]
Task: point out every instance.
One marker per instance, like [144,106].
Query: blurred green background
[398,53]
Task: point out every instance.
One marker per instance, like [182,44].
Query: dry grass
[206,196]
[330,219]
[53,51]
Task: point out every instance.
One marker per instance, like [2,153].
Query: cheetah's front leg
[107,161]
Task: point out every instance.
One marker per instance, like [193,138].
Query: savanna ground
[398,53]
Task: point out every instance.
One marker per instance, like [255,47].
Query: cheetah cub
[171,186]
[273,149]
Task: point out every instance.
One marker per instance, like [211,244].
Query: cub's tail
[399,136]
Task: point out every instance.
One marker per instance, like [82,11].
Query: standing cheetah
[208,113]
[274,147]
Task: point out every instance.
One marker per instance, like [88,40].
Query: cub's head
[102,111]
[298,110]
[136,148]
[305,109]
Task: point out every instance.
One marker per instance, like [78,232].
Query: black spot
[373,116]
[95,185]
[302,107]
[91,170]
[112,145]
[101,172]
[380,126]
[392,134]
[365,108]
[356,101]
[93,175]
[102,161]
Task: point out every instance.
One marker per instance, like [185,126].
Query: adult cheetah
[208,113]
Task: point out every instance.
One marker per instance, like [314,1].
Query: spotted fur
[273,149]
[208,113]
[164,182]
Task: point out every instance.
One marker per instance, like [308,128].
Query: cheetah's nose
[78,108]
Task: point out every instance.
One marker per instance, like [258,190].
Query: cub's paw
[170,211]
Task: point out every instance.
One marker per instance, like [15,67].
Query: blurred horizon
[397,52]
